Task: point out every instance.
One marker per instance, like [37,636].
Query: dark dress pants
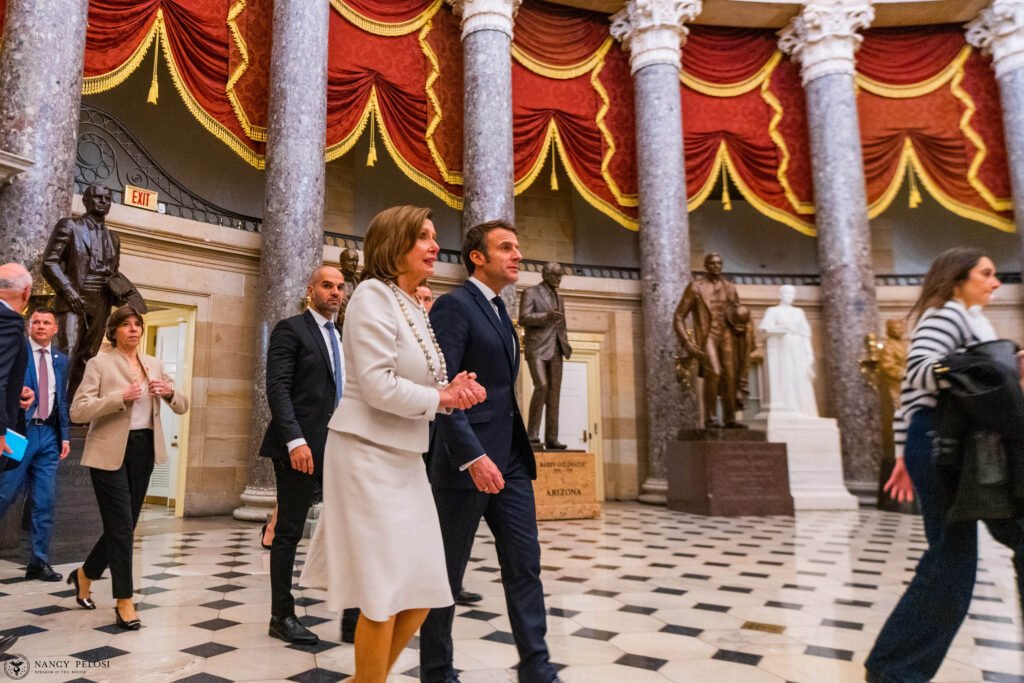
[294,495]
[119,494]
[918,633]
[37,473]
[512,518]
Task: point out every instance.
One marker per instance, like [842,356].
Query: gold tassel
[915,194]
[154,86]
[554,174]
[371,156]
[726,199]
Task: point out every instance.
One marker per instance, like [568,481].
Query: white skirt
[377,544]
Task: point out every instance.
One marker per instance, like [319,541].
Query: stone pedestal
[814,457]
[728,473]
[76,526]
[566,485]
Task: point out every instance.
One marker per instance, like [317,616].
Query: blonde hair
[392,233]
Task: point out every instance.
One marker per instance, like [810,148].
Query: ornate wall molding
[486,15]
[823,37]
[654,30]
[998,30]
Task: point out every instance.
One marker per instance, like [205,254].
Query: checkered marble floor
[643,594]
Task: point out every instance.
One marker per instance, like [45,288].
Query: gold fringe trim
[554,172]
[726,199]
[371,155]
[255,133]
[694,203]
[731,89]
[154,85]
[914,197]
[916,89]
[759,204]
[372,109]
[562,72]
[450,177]
[997,203]
[211,124]
[782,172]
[909,162]
[380,28]
[92,85]
[622,198]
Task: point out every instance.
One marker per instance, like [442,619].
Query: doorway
[580,403]
[170,337]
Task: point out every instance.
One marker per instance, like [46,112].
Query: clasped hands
[157,387]
[462,392]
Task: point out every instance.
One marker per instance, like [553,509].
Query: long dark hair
[948,270]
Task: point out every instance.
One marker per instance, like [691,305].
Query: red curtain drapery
[928,104]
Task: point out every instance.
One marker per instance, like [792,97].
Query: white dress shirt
[51,376]
[321,323]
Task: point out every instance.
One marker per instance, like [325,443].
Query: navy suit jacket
[13,359]
[300,389]
[473,339]
[60,369]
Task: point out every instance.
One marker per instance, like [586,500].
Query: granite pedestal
[728,473]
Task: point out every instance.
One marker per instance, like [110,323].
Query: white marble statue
[789,356]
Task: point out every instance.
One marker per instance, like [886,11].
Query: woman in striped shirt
[914,640]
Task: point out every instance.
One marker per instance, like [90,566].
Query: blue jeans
[38,473]
[917,635]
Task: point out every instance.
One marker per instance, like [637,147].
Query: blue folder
[17,443]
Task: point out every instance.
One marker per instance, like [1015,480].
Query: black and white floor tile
[641,595]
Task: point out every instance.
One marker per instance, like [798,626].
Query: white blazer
[390,396]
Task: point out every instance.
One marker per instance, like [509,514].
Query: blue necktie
[336,352]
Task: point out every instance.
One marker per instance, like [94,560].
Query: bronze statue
[81,265]
[348,264]
[720,340]
[546,343]
[893,363]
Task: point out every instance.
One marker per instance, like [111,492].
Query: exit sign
[138,197]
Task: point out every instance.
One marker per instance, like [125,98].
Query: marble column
[40,94]
[999,31]
[293,207]
[653,31]
[823,39]
[487,169]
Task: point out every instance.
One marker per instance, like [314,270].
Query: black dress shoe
[466,598]
[555,446]
[129,624]
[42,572]
[263,532]
[87,603]
[290,630]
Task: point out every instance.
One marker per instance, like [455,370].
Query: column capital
[823,37]
[998,30]
[486,15]
[654,30]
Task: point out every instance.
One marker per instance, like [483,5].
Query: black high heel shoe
[131,625]
[263,532]
[85,603]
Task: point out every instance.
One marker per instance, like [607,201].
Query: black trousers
[119,494]
[294,495]
[512,518]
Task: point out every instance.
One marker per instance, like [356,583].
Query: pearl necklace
[440,378]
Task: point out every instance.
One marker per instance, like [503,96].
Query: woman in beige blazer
[120,399]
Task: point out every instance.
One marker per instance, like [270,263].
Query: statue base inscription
[728,473]
[566,485]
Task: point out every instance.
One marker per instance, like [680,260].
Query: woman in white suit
[378,543]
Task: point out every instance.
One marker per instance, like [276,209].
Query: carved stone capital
[486,15]
[823,37]
[654,30]
[998,30]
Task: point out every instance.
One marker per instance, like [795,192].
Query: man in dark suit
[305,374]
[542,315]
[49,440]
[481,463]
